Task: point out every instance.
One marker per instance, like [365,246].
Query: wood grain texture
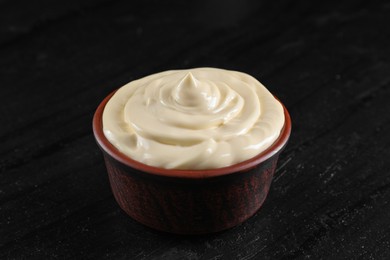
[328,63]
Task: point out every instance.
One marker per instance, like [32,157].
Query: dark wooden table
[329,64]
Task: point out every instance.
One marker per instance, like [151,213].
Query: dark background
[327,61]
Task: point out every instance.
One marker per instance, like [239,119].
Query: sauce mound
[203,118]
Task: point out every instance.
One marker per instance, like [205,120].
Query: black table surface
[328,62]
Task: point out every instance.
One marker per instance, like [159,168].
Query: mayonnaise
[201,118]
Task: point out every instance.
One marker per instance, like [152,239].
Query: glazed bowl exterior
[189,201]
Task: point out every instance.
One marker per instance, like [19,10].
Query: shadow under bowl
[189,201]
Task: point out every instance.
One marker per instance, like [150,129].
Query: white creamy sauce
[200,118]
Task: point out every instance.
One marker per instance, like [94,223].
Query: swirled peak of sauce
[203,118]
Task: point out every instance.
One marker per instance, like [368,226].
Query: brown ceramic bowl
[189,201]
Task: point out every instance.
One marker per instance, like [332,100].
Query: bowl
[189,201]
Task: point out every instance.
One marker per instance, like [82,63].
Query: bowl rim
[112,151]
